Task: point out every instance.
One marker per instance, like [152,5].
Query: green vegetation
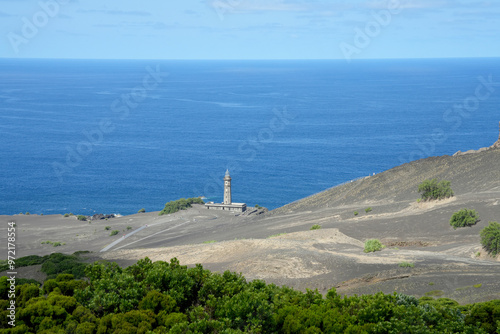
[54,244]
[490,238]
[107,228]
[368,210]
[82,218]
[27,213]
[53,264]
[276,235]
[315,227]
[406,265]
[477,286]
[181,204]
[129,228]
[141,210]
[434,190]
[164,297]
[373,245]
[435,293]
[66,215]
[356,213]
[115,232]
[463,218]
[258,206]
[210,242]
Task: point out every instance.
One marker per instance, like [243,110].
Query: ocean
[115,136]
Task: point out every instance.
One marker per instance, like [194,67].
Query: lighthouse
[227,188]
[227,204]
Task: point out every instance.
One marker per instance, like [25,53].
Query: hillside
[280,248]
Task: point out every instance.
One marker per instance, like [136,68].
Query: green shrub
[129,228]
[115,232]
[56,244]
[434,190]
[490,238]
[373,245]
[463,218]
[209,242]
[82,218]
[258,206]
[315,227]
[181,204]
[356,213]
[27,213]
[107,228]
[141,210]
[66,215]
[406,265]
[368,210]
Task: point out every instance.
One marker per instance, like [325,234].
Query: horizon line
[249,59]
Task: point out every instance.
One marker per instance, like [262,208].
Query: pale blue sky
[249,29]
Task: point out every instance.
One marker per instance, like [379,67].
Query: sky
[249,29]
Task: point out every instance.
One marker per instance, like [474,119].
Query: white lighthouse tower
[228,204]
[227,188]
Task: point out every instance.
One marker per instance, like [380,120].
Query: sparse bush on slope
[434,190]
[181,204]
[373,245]
[463,218]
[490,238]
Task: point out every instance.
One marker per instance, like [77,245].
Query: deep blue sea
[114,136]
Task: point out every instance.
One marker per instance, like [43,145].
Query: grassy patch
[477,286]
[209,242]
[276,235]
[435,293]
[406,265]
[115,232]
[54,244]
[315,227]
[356,213]
[368,210]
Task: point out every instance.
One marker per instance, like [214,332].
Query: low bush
[368,210]
[490,238]
[82,218]
[356,213]
[434,190]
[107,228]
[141,210]
[315,227]
[115,232]
[463,218]
[181,204]
[373,245]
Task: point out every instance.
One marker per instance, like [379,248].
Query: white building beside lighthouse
[228,204]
